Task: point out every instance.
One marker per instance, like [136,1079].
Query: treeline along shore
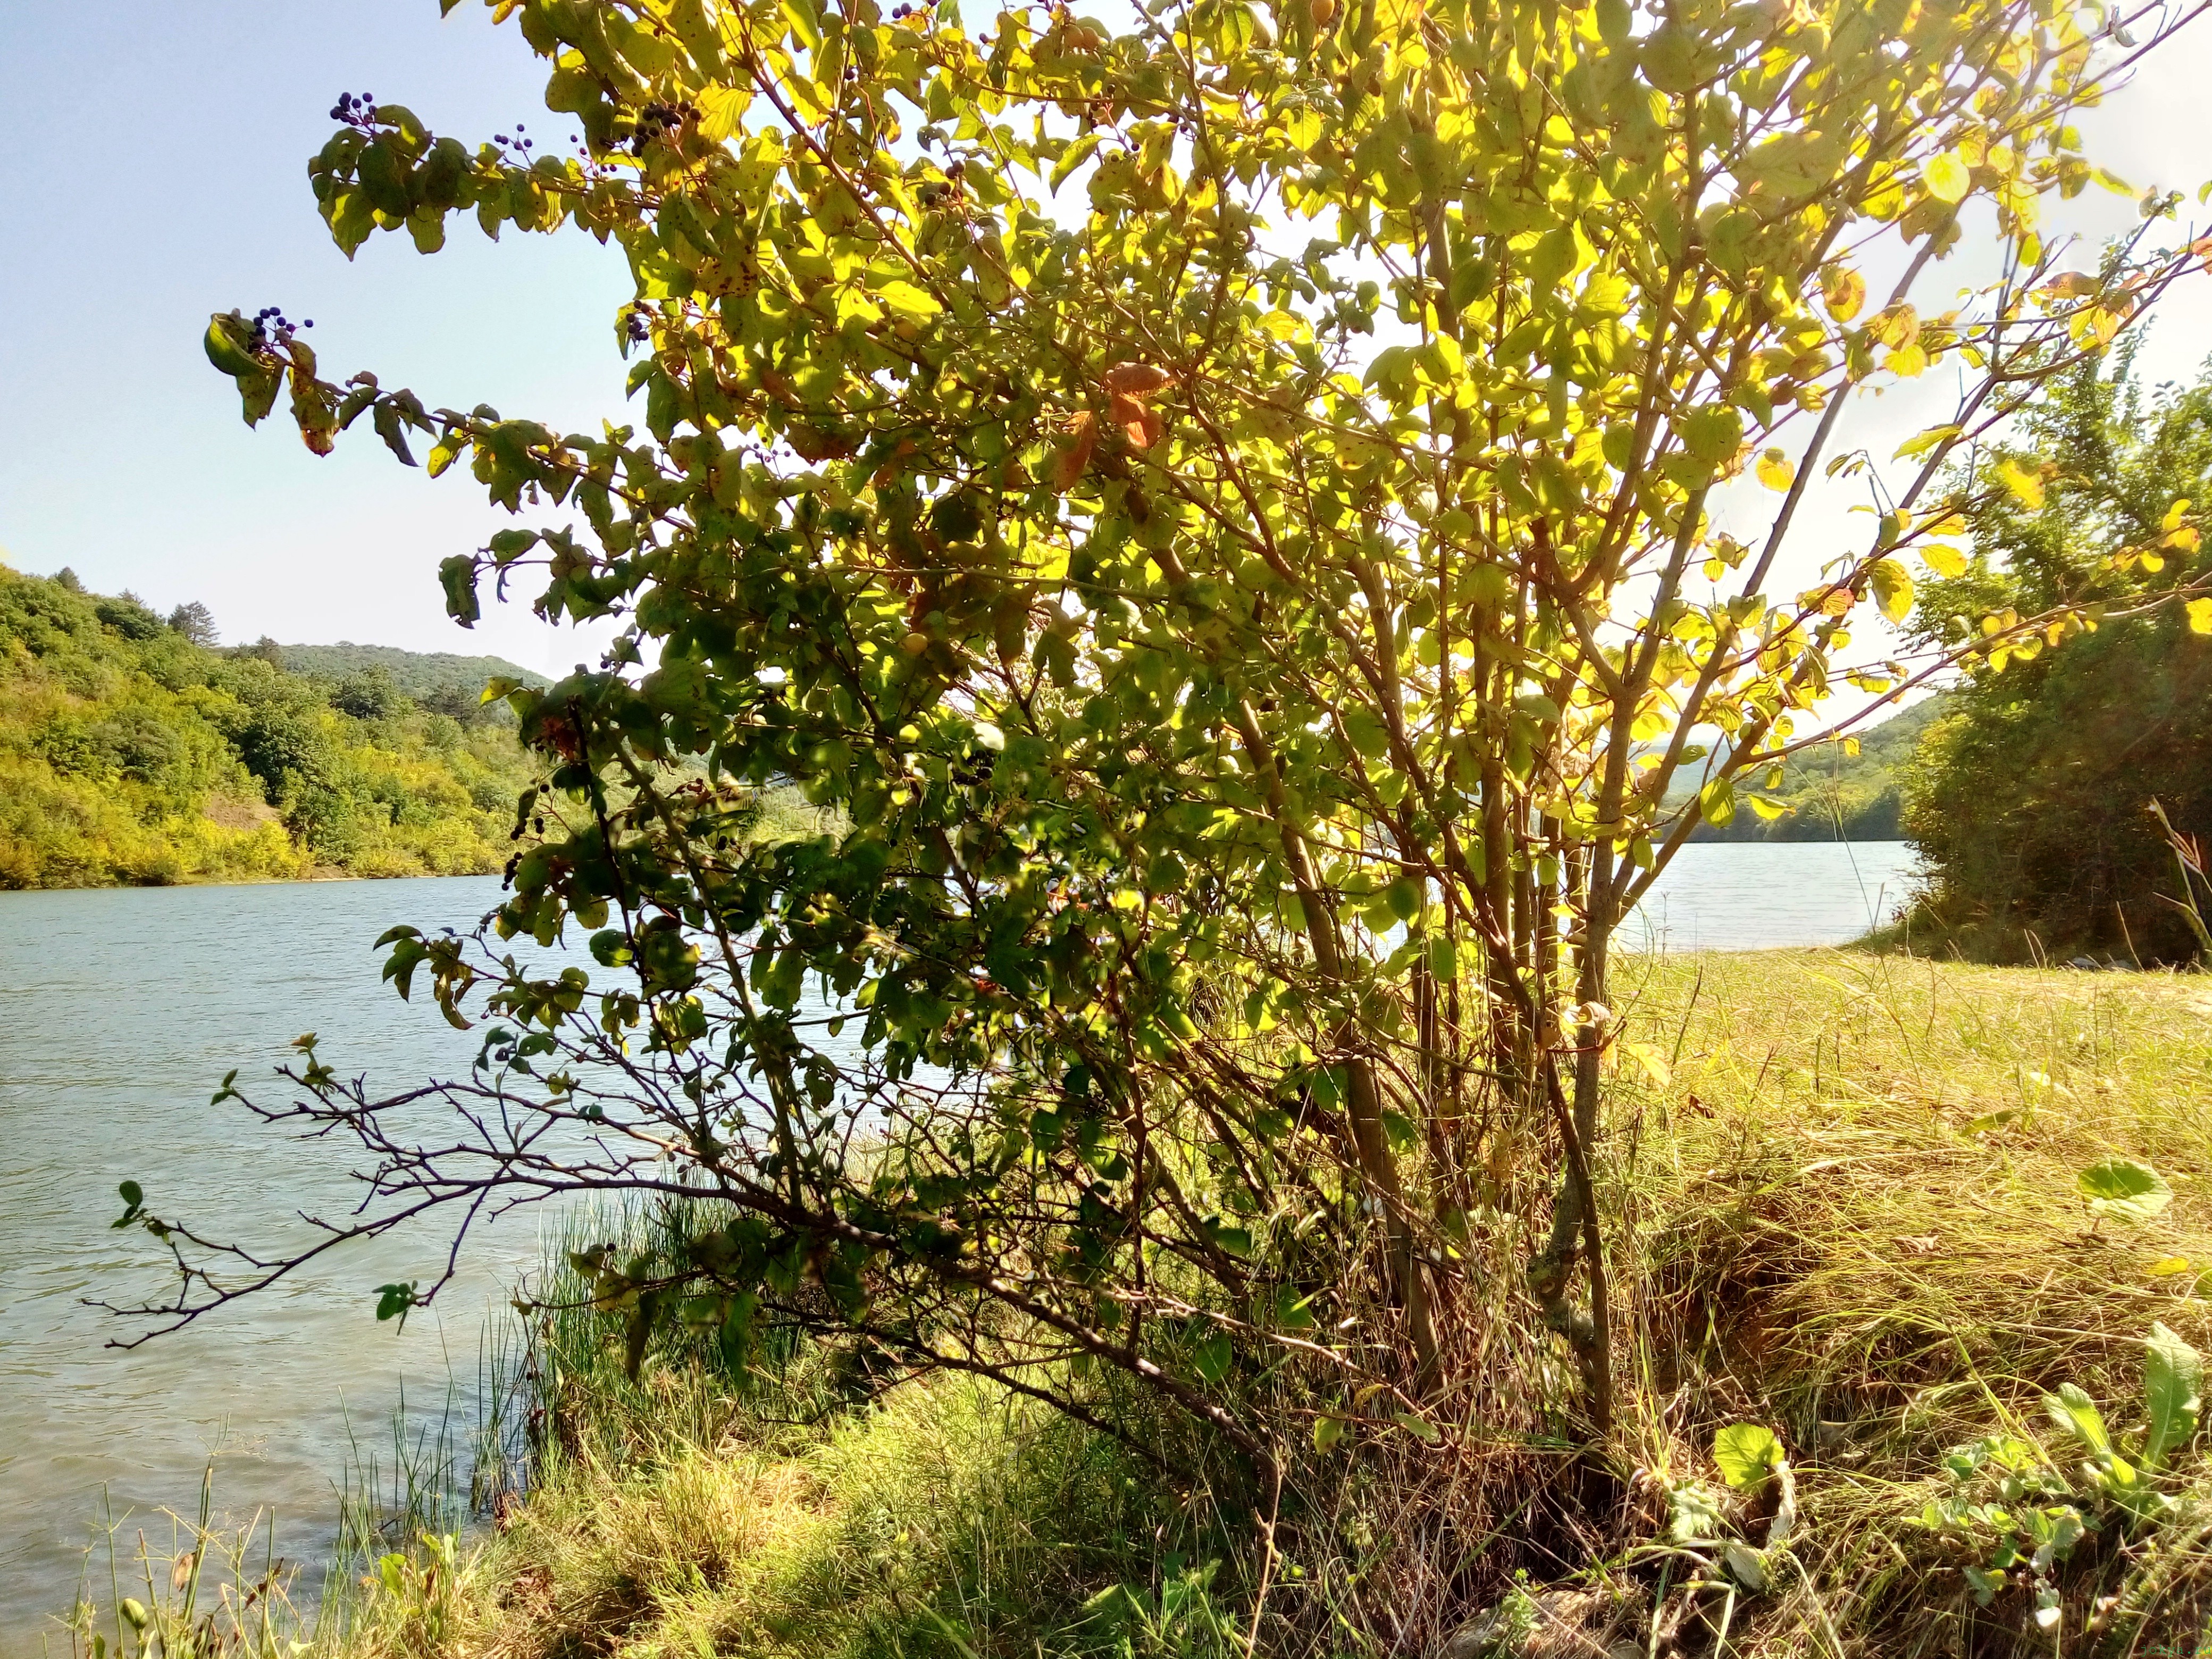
[134,750]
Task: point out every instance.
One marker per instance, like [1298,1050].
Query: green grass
[1846,1204]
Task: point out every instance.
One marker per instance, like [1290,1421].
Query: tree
[2031,798]
[1221,511]
[126,613]
[195,622]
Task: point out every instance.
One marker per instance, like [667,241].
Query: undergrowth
[1865,1227]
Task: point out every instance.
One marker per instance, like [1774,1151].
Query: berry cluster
[919,7]
[637,327]
[658,120]
[516,142]
[269,323]
[355,111]
[593,168]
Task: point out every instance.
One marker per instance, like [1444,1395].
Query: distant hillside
[438,680]
[1831,796]
[132,753]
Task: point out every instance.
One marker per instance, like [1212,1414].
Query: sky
[157,171]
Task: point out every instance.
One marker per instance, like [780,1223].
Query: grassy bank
[1851,1210]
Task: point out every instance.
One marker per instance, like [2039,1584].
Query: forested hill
[1829,795]
[436,679]
[133,751]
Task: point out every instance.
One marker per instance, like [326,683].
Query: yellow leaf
[1892,589]
[2026,486]
[1844,290]
[1944,560]
[1907,362]
[2200,615]
[2166,1265]
[722,109]
[1648,1057]
[1775,470]
[1947,177]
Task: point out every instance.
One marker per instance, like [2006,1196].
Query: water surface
[120,1009]
[1762,895]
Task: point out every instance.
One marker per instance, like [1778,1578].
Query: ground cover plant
[1217,513]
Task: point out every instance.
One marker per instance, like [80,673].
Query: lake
[120,1009]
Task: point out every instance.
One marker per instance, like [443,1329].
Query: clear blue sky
[156,170]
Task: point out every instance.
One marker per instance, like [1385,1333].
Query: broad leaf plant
[1219,509]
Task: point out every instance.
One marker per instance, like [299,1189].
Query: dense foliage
[2030,799]
[130,752]
[1218,505]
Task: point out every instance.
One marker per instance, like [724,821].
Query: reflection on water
[120,1011]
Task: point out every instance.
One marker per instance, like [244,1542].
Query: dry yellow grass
[1853,1206]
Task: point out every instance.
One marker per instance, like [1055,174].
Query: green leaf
[1419,1427]
[1327,1432]
[1921,443]
[1716,801]
[805,24]
[458,575]
[1694,1514]
[393,1301]
[1712,434]
[1078,152]
[1747,1454]
[2173,1380]
[2122,1187]
[2073,1411]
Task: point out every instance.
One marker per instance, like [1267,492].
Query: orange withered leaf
[1135,380]
[1068,464]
